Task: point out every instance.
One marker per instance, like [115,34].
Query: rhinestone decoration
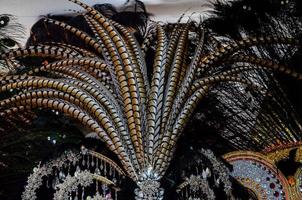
[202,181]
[263,179]
[149,186]
[220,169]
[35,180]
[198,183]
[69,175]
[71,184]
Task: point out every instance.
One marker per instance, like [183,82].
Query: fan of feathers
[151,95]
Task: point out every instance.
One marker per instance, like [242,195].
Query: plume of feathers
[11,32]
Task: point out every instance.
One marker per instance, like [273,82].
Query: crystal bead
[97,171]
[102,166]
